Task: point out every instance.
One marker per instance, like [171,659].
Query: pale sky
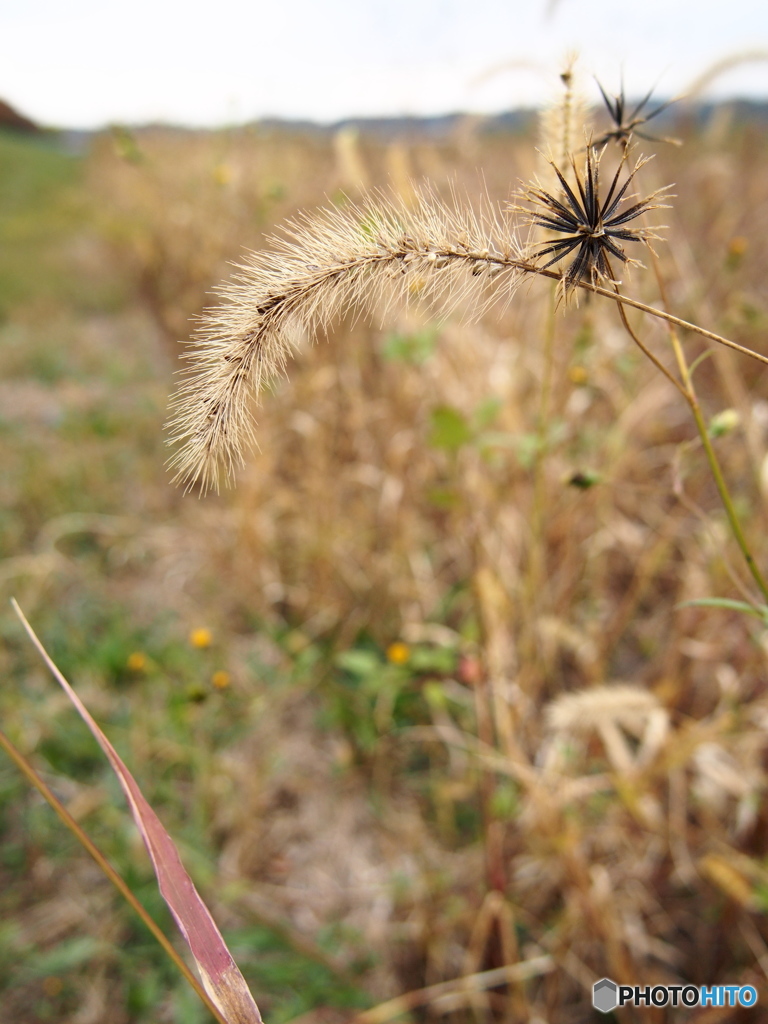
[86,63]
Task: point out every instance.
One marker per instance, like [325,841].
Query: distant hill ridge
[517,120]
[14,121]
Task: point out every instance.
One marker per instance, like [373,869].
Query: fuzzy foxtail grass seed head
[562,124]
[339,260]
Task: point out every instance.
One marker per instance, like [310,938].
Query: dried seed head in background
[592,226]
[626,124]
[562,123]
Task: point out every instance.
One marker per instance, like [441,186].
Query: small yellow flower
[222,174]
[52,985]
[578,375]
[221,679]
[737,246]
[136,662]
[201,637]
[398,653]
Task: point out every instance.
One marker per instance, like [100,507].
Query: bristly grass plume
[362,256]
[562,123]
[339,260]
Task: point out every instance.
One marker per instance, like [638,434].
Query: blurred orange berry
[201,637]
[136,662]
[398,653]
[221,679]
[470,670]
[737,250]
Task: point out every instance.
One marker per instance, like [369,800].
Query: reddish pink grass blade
[219,973]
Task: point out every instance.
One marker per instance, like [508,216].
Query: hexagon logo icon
[605,995]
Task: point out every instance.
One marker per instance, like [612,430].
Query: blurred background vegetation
[422,698]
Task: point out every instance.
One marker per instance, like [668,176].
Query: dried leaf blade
[219,973]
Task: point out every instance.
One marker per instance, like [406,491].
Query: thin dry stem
[450,995]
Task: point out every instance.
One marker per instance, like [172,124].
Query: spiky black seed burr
[593,227]
[627,123]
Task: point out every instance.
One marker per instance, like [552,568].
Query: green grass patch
[40,205]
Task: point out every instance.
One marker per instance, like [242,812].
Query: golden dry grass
[578,787]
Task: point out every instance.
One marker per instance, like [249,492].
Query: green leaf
[498,439]
[433,659]
[505,801]
[410,348]
[486,412]
[444,497]
[528,448]
[758,611]
[449,429]
[435,695]
[359,662]
[65,956]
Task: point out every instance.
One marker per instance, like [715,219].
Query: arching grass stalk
[362,255]
[446,255]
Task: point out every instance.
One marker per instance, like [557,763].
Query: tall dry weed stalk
[563,123]
[608,837]
[587,791]
[354,256]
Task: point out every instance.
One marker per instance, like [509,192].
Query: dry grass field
[423,699]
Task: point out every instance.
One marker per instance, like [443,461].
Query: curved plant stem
[691,397]
[461,989]
[714,465]
[661,314]
[646,351]
[31,775]
[688,392]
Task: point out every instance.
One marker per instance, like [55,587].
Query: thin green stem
[656,362]
[714,465]
[32,777]
[691,397]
